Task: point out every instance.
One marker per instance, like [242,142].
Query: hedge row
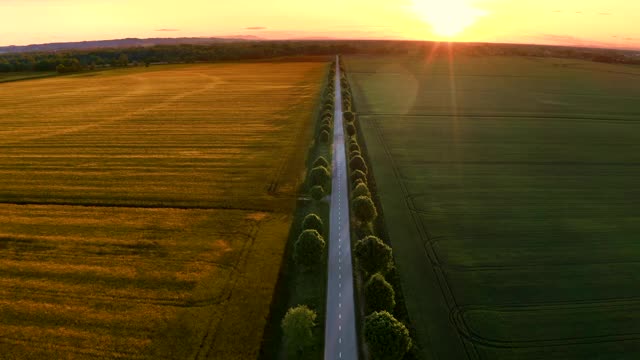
[386,337]
[309,248]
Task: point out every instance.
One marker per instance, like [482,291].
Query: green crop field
[16,76]
[510,189]
[144,212]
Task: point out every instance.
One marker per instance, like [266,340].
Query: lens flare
[447,18]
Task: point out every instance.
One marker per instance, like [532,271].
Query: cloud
[167,30]
[255,28]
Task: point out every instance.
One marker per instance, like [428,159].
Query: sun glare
[447,18]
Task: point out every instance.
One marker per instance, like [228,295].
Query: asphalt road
[340,327]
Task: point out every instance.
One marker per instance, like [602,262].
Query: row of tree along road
[384,336]
[300,327]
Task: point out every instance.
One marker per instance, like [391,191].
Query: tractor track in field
[91,351]
[624,119]
[134,206]
[224,295]
[206,344]
[456,314]
[165,103]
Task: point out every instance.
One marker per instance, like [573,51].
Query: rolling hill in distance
[121,43]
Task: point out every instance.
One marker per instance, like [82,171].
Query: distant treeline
[79,60]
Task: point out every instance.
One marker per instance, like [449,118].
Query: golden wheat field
[144,212]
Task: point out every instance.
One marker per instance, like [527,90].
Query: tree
[313,222]
[358,163]
[379,294]
[354,147]
[321,161]
[324,136]
[61,69]
[317,192]
[351,130]
[349,116]
[361,190]
[297,326]
[388,339]
[374,256]
[325,127]
[358,182]
[123,60]
[364,209]
[320,175]
[358,175]
[308,249]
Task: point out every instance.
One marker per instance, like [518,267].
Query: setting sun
[447,18]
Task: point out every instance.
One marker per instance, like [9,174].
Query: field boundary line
[628,118]
[129,206]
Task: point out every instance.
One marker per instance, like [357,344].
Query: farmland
[509,187]
[144,212]
[16,76]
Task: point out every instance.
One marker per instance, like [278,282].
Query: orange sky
[611,23]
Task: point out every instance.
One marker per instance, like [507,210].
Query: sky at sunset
[611,23]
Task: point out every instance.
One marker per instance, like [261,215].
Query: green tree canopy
[364,210]
[309,248]
[319,175]
[361,190]
[351,130]
[313,222]
[324,136]
[388,339]
[358,175]
[374,256]
[358,163]
[317,193]
[297,326]
[349,116]
[321,161]
[379,294]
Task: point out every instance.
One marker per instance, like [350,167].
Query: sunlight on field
[194,170]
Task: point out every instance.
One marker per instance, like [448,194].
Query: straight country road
[340,323]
